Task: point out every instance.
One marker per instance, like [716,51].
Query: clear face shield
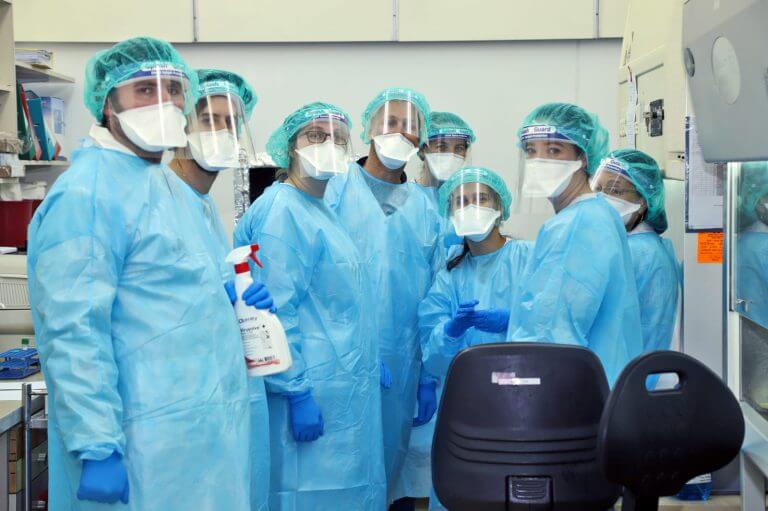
[150,107]
[612,179]
[396,128]
[322,148]
[474,209]
[219,135]
[446,154]
[548,160]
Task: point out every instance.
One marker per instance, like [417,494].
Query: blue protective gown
[325,302]
[218,247]
[579,286]
[139,343]
[489,278]
[752,272]
[657,277]
[399,250]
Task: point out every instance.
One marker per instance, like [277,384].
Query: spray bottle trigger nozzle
[254,249]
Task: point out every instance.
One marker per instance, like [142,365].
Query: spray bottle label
[257,343]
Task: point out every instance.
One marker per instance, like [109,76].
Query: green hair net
[446,124]
[476,175]
[396,94]
[278,145]
[216,81]
[109,68]
[753,185]
[574,124]
[644,173]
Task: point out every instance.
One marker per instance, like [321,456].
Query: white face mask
[443,165]
[215,150]
[548,178]
[154,128]
[624,208]
[323,161]
[394,150]
[474,222]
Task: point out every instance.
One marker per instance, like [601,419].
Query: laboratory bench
[12,438]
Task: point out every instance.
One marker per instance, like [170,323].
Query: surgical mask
[154,128]
[215,150]
[443,165]
[474,222]
[394,150]
[624,208]
[548,178]
[323,161]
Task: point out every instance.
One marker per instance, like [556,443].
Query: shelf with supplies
[30,74]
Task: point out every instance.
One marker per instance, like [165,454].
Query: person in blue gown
[325,411]
[395,227]
[579,286]
[632,182]
[468,302]
[218,134]
[140,349]
[751,268]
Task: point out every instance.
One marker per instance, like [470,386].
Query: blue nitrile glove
[257,295]
[104,481]
[306,418]
[426,396]
[462,320]
[492,320]
[229,286]
[385,378]
[451,239]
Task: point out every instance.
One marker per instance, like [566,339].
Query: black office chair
[517,430]
[653,442]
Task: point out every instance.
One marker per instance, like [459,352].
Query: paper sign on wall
[709,247]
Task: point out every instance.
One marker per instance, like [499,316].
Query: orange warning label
[710,248]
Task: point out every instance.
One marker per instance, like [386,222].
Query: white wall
[491,84]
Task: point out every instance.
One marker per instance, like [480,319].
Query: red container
[14,219]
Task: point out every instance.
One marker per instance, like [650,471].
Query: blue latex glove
[257,295]
[306,418]
[491,320]
[104,481]
[426,396]
[229,287]
[462,320]
[385,378]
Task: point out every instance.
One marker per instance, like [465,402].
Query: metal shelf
[30,74]
[45,163]
[38,421]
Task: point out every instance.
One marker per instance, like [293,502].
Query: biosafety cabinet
[725,52]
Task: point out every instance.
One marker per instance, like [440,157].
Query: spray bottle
[264,342]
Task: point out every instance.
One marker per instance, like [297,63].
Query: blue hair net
[446,124]
[476,175]
[216,81]
[569,122]
[109,68]
[644,173]
[396,94]
[279,143]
